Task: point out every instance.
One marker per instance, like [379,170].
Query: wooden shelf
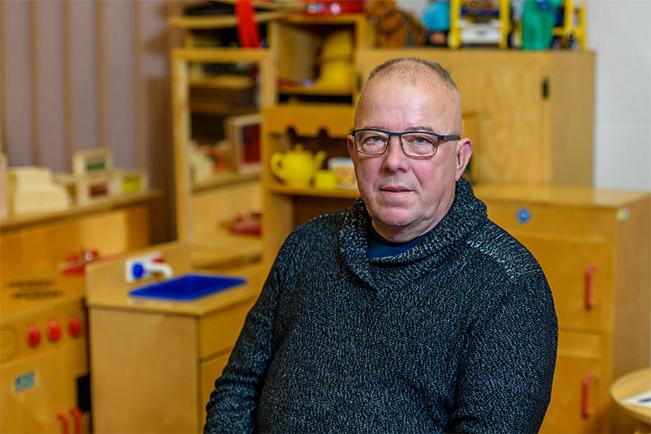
[221,22]
[314,90]
[217,108]
[314,192]
[223,179]
[324,19]
[223,81]
[122,200]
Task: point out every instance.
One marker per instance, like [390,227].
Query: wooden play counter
[154,362]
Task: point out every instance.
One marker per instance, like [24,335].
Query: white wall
[619,31]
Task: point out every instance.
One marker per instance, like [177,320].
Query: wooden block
[88,188]
[244,133]
[131,181]
[92,161]
[28,177]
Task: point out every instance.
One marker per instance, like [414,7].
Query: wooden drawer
[208,372]
[580,274]
[219,330]
[579,393]
[528,218]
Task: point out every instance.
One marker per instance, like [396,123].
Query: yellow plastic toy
[574,23]
[337,61]
[297,167]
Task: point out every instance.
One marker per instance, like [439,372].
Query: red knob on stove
[53,331]
[33,336]
[74,327]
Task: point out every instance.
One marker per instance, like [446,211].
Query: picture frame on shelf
[244,135]
[97,160]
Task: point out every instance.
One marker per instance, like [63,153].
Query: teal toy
[436,20]
[538,18]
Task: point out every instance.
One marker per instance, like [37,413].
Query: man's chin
[394,220]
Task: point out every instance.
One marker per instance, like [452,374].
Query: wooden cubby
[316,126]
[297,40]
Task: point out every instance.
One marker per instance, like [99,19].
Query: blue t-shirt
[378,247]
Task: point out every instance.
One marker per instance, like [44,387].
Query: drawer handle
[585,396]
[589,279]
[64,422]
[76,414]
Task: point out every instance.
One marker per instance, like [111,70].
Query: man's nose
[395,158]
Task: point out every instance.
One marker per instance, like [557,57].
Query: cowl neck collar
[466,213]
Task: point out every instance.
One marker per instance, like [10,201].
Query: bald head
[414,71]
[410,69]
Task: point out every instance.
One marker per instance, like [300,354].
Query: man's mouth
[395,189]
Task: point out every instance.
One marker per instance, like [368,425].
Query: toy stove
[44,381]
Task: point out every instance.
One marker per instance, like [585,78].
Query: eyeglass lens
[413,144]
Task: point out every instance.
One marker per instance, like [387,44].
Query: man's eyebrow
[413,128]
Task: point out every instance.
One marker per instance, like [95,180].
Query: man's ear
[350,145]
[464,152]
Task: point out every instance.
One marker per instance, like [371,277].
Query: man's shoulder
[501,248]
[321,225]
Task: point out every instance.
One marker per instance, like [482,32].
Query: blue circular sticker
[524,215]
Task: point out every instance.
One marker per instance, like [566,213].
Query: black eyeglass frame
[439,137]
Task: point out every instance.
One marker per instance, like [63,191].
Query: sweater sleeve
[232,404]
[506,375]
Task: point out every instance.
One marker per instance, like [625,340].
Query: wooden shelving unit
[202,208]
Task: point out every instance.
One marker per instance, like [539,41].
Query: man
[410,311]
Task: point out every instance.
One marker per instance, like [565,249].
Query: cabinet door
[579,393]
[579,272]
[35,390]
[209,372]
[507,93]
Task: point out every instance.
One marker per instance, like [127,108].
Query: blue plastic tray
[187,287]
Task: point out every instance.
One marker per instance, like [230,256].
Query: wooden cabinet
[534,110]
[154,362]
[594,247]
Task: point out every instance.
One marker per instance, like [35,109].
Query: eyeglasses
[415,144]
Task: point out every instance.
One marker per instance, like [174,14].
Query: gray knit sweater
[457,334]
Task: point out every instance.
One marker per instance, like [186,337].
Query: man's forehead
[428,84]
[440,102]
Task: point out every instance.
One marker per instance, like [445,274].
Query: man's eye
[374,139]
[416,139]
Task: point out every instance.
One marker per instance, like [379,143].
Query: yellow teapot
[296,167]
